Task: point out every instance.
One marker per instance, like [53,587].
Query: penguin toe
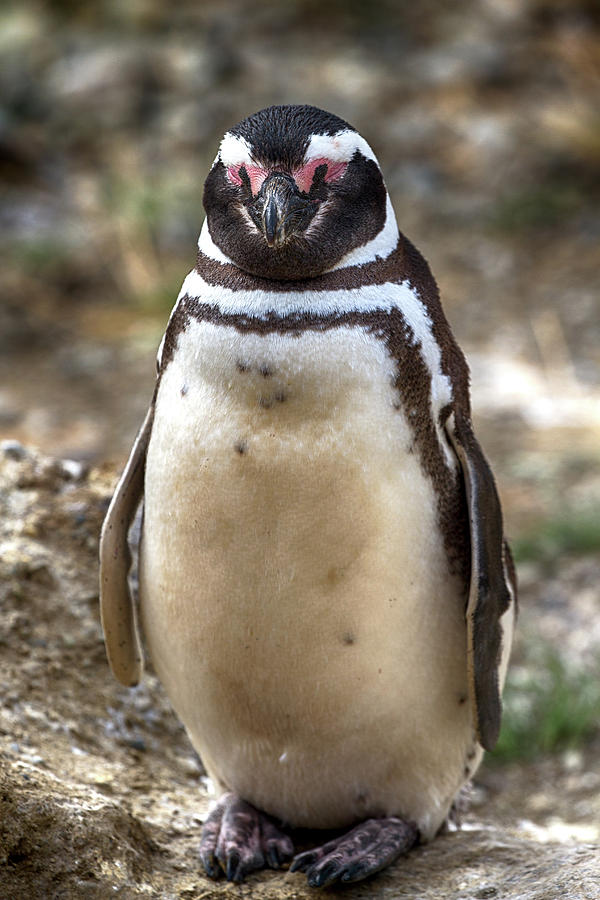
[361,852]
[277,846]
[238,839]
[208,844]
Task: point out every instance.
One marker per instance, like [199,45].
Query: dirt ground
[101,794]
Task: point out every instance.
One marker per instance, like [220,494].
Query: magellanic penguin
[325,590]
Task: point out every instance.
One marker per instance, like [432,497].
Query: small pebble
[13,449]
[74,469]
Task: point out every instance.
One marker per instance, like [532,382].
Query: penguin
[325,590]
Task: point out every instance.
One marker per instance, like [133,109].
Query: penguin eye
[304,176]
[251,177]
[233,173]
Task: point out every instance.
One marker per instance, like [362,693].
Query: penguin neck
[380,248]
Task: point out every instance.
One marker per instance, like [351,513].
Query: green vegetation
[575,533]
[548,706]
[542,206]
[40,257]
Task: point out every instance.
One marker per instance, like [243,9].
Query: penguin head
[293,190]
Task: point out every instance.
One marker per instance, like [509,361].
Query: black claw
[326,875]
[273,857]
[233,866]
[211,867]
[276,846]
[303,861]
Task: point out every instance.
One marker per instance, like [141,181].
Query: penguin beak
[273,220]
[280,210]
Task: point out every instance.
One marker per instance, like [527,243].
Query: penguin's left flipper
[366,849]
[238,839]
[490,589]
[119,623]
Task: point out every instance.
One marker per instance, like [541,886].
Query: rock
[12,449]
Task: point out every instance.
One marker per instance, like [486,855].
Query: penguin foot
[366,849]
[238,839]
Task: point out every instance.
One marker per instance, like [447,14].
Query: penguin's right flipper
[117,610]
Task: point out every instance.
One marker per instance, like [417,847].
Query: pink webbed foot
[363,851]
[238,839]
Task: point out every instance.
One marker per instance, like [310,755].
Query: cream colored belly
[294,590]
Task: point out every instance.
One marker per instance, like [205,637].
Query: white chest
[295,592]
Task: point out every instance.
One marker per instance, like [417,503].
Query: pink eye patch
[255,174]
[303,176]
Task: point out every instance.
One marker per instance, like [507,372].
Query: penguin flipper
[117,610]
[489,593]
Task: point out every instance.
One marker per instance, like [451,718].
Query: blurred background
[485,117]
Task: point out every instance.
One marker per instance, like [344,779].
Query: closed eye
[255,173]
[305,175]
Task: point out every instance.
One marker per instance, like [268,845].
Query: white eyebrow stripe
[234,150]
[339,147]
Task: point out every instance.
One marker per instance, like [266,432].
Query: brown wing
[489,592]
[119,623]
